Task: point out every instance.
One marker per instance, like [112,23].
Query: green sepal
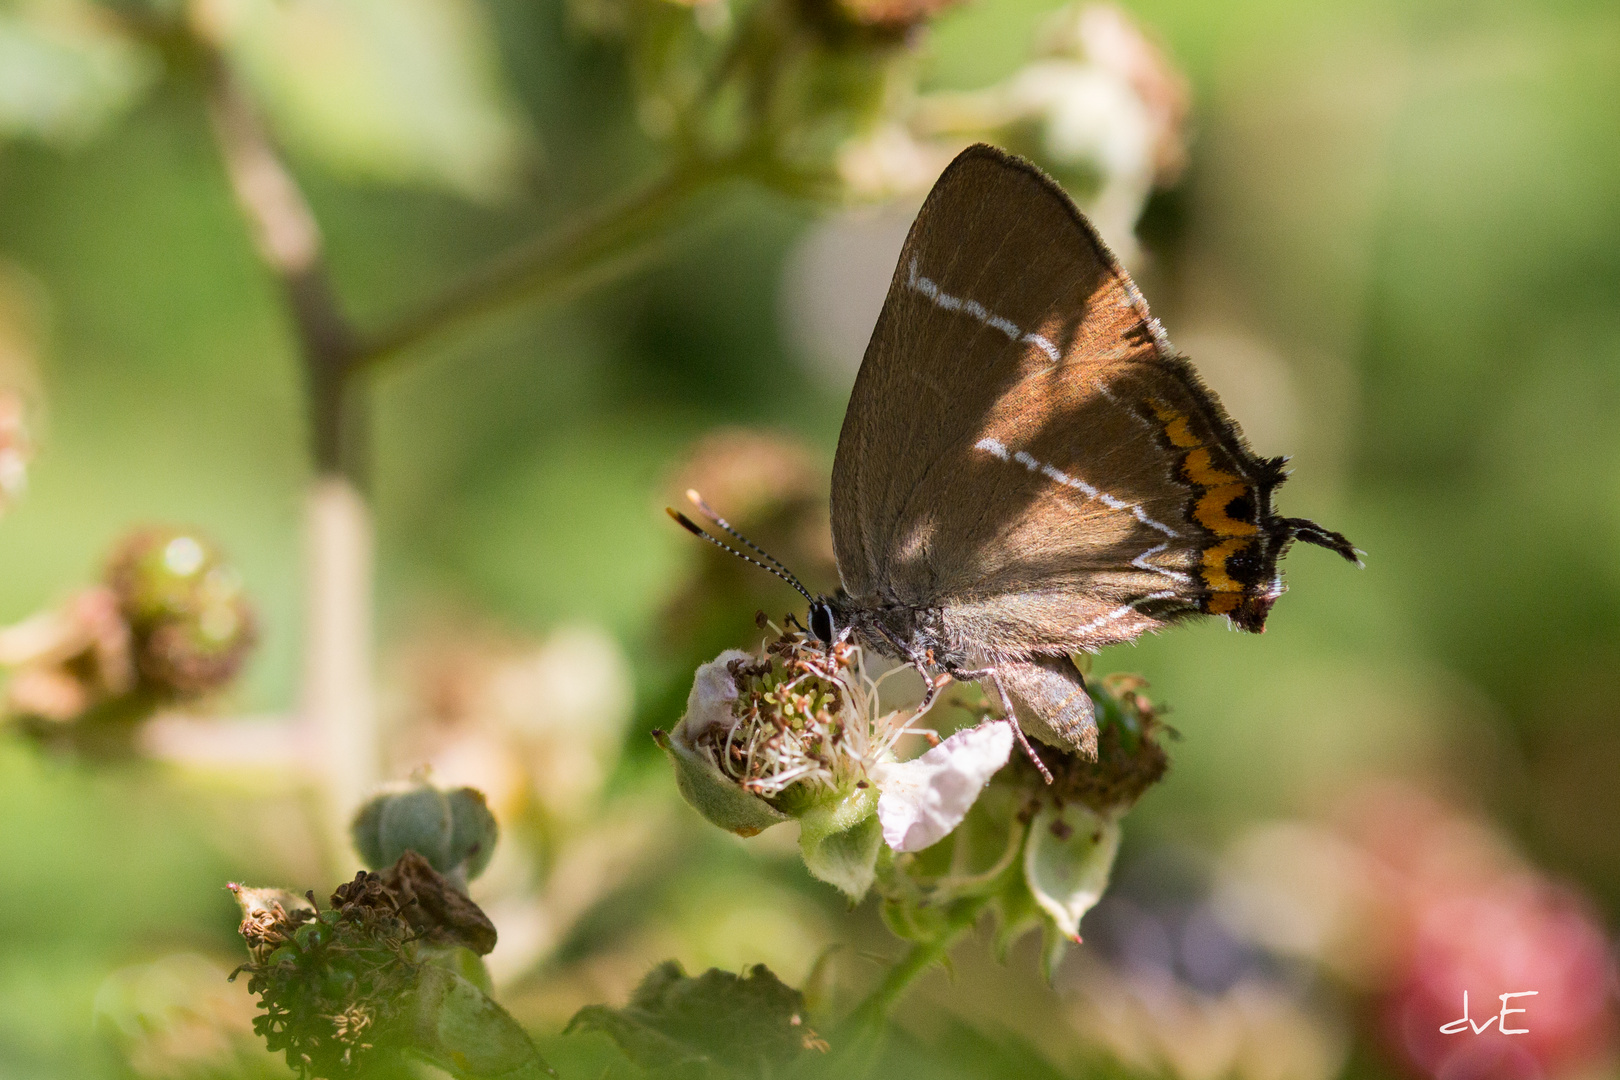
[715,795]
[473,831]
[1067,860]
[840,841]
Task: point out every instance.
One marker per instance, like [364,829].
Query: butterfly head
[822,623]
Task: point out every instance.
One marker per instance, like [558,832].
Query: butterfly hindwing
[1024,451]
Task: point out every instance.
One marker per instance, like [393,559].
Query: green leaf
[717,1024]
[406,91]
[460,1029]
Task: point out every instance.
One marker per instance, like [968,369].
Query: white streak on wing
[993,447]
[1128,411]
[1024,458]
[930,288]
[1121,611]
[1072,481]
[1141,515]
[1045,346]
[1141,562]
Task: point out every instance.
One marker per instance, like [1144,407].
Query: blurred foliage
[717,1024]
[1395,252]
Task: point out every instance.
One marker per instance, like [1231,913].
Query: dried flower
[68,660]
[375,975]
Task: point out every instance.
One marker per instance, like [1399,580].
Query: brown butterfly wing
[1023,449]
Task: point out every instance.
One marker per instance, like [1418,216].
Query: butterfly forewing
[1024,452]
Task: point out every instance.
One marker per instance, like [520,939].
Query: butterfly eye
[821,622]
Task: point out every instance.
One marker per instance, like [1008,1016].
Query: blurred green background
[1395,252]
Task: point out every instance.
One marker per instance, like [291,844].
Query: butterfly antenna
[708,511]
[690,526]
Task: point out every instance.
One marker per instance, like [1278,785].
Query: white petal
[923,800]
[709,703]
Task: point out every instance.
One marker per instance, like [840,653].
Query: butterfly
[1028,469]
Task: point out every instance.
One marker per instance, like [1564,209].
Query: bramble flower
[1039,854]
[798,731]
[1107,108]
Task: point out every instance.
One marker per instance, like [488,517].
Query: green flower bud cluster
[453,830]
[190,621]
[1038,854]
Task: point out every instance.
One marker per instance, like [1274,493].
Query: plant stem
[605,244]
[288,241]
[338,705]
[924,955]
[337,709]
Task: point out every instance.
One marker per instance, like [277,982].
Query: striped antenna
[690,526]
[708,511]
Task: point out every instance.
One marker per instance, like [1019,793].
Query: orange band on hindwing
[1223,504]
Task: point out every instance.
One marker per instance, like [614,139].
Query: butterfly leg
[991,676]
[932,688]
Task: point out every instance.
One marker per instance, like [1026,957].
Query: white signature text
[1499,1019]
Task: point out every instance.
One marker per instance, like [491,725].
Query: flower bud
[453,830]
